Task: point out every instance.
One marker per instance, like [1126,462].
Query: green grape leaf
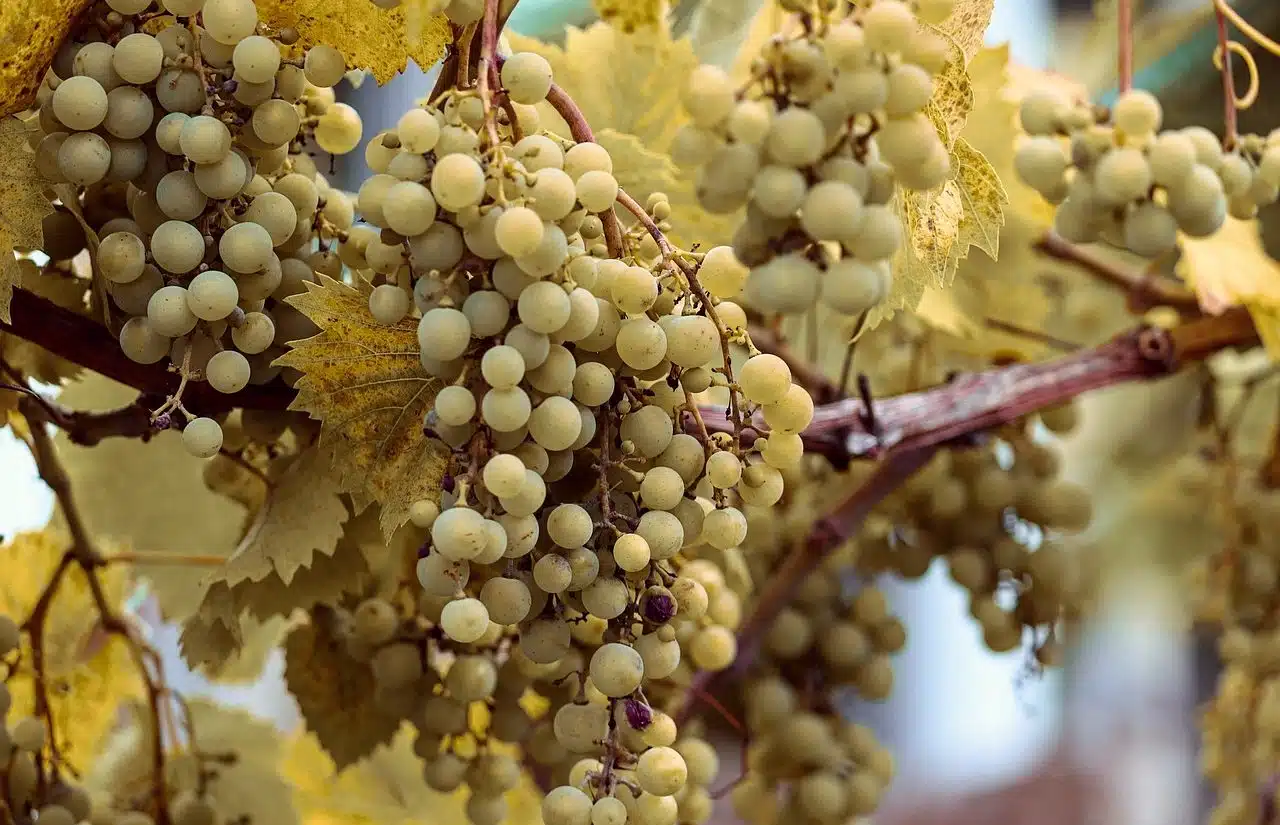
[335,693]
[367,386]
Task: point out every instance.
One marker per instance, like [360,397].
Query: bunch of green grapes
[1115,176]
[830,124]
[186,150]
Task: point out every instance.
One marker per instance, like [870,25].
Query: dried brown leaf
[30,33]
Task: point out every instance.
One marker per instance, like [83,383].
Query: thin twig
[1124,46]
[1231,116]
[1145,290]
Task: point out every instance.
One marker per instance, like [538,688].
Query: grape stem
[1124,45]
[1231,115]
[84,554]
[1146,290]
[487,71]
[828,534]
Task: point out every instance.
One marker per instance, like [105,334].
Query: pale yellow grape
[1041,163]
[796,137]
[526,77]
[791,413]
[749,121]
[566,805]
[502,367]
[84,158]
[418,131]
[889,26]
[444,333]
[779,190]
[907,141]
[634,290]
[631,552]
[138,58]
[532,346]
[223,179]
[202,437]
[553,194]
[464,620]
[765,378]
[256,59]
[878,236]
[504,475]
[255,333]
[177,247]
[229,21]
[508,600]
[538,152]
[324,66]
[1137,113]
[852,287]
[724,469]
[1122,175]
[692,341]
[1150,231]
[276,122]
[212,295]
[661,771]
[584,314]
[663,532]
[506,410]
[457,182]
[713,648]
[550,254]
[641,343]
[121,257]
[1198,202]
[129,113]
[722,273]
[339,129]
[597,190]
[709,96]
[529,499]
[662,488]
[544,307]
[205,139]
[245,248]
[726,527]
[832,211]
[593,384]
[519,231]
[227,371]
[455,405]
[409,209]
[909,90]
[552,574]
[459,533]
[141,343]
[609,810]
[80,103]
[178,196]
[616,669]
[275,213]
[555,423]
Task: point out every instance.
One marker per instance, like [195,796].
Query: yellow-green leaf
[88,675]
[23,204]
[1231,268]
[372,38]
[630,15]
[952,99]
[335,693]
[30,33]
[967,25]
[366,384]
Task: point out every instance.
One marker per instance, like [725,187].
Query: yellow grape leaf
[942,224]
[1231,268]
[370,37]
[941,310]
[165,506]
[89,674]
[967,25]
[367,386]
[30,33]
[249,788]
[952,99]
[335,693]
[629,15]
[386,787]
[23,204]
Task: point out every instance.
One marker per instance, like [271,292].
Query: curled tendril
[1240,50]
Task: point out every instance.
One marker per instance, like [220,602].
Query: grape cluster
[186,148]
[1115,176]
[814,148]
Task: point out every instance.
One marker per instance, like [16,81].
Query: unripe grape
[457,182]
[1150,231]
[597,190]
[324,66]
[339,129]
[616,669]
[256,59]
[84,158]
[889,26]
[80,103]
[519,231]
[1041,112]
[796,137]
[212,295]
[418,131]
[168,312]
[1041,163]
[205,139]
[527,77]
[464,620]
[832,211]
[1122,175]
[141,343]
[852,287]
[255,334]
[227,371]
[121,257]
[709,96]
[1137,113]
[202,437]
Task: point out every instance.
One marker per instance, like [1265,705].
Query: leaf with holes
[22,206]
